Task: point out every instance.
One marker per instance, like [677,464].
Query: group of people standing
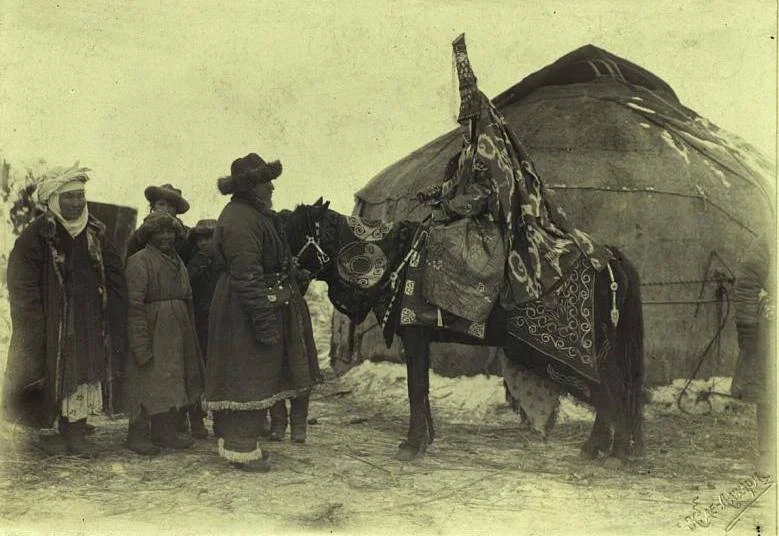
[204,319]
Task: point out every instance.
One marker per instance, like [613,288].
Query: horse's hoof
[407,452]
[614,463]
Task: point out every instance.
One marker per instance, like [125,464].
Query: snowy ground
[483,475]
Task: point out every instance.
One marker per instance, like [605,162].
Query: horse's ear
[318,202]
[326,205]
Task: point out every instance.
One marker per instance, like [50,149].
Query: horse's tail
[630,340]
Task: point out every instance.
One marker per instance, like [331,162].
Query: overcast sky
[148,92]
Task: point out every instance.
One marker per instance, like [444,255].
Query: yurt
[634,167]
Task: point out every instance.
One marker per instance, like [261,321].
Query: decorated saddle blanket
[464,267]
[561,324]
[417,310]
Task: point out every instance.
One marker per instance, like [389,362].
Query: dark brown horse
[318,235]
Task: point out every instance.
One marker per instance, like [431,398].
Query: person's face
[72,204]
[164,240]
[264,191]
[163,205]
[203,242]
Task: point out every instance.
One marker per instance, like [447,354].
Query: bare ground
[483,475]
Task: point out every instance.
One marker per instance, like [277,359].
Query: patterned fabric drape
[541,244]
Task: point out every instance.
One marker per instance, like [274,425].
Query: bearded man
[260,347]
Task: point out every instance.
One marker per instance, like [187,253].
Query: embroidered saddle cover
[560,325]
[464,267]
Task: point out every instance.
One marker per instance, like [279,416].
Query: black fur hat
[247,172]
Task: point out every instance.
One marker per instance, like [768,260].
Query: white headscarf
[57,181]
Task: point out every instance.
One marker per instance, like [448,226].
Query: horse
[318,234]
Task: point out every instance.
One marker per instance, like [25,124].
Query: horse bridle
[313,241]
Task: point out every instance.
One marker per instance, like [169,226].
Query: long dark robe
[68,311]
[245,372]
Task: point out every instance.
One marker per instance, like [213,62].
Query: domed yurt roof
[630,164]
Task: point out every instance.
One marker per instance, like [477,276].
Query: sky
[152,92]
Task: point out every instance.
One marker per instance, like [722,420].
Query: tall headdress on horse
[541,245]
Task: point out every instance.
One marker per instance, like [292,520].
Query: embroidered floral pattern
[369,230]
[407,316]
[561,325]
[409,288]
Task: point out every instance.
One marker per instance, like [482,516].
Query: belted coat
[260,341]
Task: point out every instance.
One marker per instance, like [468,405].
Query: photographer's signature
[740,497]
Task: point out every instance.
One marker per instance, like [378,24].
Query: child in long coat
[165,370]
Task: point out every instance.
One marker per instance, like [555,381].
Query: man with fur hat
[169,199]
[165,370]
[165,198]
[68,308]
[259,348]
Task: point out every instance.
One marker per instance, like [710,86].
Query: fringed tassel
[239,457]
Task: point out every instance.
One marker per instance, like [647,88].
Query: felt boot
[76,440]
[298,418]
[278,421]
[52,445]
[138,439]
[264,423]
[182,424]
[163,432]
[255,466]
[196,416]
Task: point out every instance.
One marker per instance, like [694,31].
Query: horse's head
[311,234]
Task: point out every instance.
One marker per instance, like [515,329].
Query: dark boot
[52,445]
[196,416]
[76,439]
[138,439]
[182,424]
[163,432]
[278,421]
[298,418]
[255,466]
[264,423]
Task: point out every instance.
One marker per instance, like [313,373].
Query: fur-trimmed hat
[158,221]
[247,172]
[169,193]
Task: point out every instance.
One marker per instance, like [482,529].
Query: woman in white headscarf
[68,308]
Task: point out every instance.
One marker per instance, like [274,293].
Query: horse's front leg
[420,426]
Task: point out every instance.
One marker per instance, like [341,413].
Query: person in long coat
[68,309]
[165,198]
[203,273]
[755,310]
[165,369]
[258,349]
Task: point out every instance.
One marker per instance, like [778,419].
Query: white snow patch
[640,108]
[718,172]
[481,398]
[645,125]
[680,148]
